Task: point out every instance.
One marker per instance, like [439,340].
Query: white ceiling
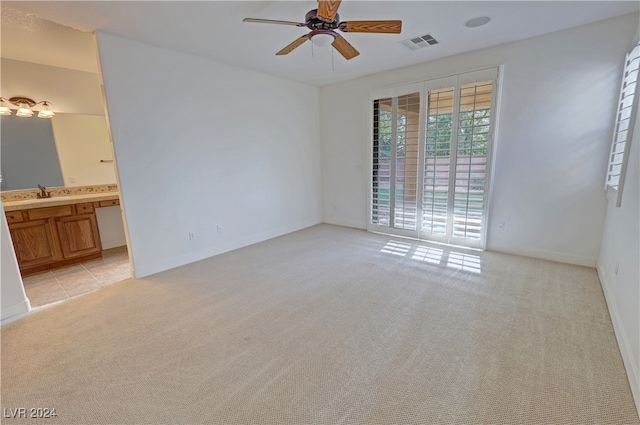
[214,29]
[28,38]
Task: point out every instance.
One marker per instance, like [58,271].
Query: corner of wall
[14,299]
[15,310]
[625,349]
[544,255]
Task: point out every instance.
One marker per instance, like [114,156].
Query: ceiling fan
[323,22]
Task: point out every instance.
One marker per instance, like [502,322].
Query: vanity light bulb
[4,109]
[45,112]
[24,110]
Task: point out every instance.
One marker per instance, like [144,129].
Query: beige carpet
[328,326]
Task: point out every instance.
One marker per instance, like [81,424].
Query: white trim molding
[633,374]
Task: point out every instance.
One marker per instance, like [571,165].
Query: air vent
[419,41]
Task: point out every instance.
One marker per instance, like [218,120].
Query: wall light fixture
[24,105]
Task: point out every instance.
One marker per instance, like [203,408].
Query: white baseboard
[113,244]
[627,355]
[344,223]
[546,255]
[16,309]
[171,263]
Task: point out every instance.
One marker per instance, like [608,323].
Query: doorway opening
[59,64]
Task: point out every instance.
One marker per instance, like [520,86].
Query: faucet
[43,192]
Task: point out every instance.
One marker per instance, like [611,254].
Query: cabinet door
[79,235]
[35,243]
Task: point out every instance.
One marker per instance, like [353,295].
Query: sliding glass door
[431,148]
[396,155]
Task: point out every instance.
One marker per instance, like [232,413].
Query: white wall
[13,300]
[558,98]
[619,265]
[111,227]
[199,144]
[82,141]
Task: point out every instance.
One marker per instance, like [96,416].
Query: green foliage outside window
[472,133]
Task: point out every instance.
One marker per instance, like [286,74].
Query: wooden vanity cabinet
[35,243]
[78,235]
[51,237]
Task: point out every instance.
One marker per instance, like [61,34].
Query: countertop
[25,204]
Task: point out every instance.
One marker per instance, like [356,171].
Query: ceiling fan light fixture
[324,21]
[322,40]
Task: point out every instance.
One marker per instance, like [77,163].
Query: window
[431,145]
[395,161]
[459,120]
[625,119]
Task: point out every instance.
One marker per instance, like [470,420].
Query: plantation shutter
[459,119]
[431,149]
[437,162]
[380,196]
[395,158]
[474,119]
[625,119]
[406,169]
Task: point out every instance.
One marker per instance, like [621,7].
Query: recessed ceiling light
[477,22]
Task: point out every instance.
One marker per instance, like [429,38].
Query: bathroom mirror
[67,150]
[29,155]
[43,60]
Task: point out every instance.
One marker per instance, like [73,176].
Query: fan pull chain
[333,69]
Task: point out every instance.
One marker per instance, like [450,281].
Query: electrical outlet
[219,228]
[501,225]
[192,236]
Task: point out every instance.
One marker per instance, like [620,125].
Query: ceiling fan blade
[382,27]
[345,48]
[327,9]
[271,21]
[289,48]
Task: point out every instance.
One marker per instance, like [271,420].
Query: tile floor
[60,284]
